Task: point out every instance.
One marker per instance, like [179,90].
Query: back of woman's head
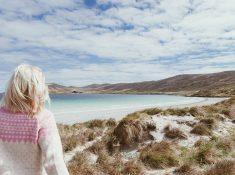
[27,91]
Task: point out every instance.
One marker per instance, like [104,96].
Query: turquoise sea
[72,108]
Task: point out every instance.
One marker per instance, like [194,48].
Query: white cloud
[125,39]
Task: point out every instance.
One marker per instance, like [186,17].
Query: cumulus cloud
[92,41]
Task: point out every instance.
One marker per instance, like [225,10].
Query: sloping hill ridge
[59,89]
[213,84]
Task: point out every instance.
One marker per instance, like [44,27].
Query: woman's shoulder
[44,116]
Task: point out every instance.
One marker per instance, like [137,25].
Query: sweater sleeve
[51,147]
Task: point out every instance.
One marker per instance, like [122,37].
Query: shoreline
[206,101]
[119,113]
[139,93]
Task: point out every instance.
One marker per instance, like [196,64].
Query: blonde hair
[27,91]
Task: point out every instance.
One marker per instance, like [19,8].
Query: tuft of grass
[97,147]
[174,133]
[116,166]
[209,122]
[225,112]
[132,167]
[79,165]
[91,136]
[132,116]
[96,123]
[152,111]
[194,111]
[224,145]
[199,142]
[129,133]
[159,155]
[210,109]
[103,157]
[70,143]
[151,126]
[186,169]
[205,153]
[111,122]
[201,129]
[224,167]
[176,111]
[208,151]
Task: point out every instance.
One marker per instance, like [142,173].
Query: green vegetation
[152,111]
[132,116]
[211,155]
[176,111]
[224,167]
[159,155]
[208,151]
[186,169]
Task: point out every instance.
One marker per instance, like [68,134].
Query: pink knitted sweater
[30,146]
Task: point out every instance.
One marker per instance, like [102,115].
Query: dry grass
[132,132]
[80,166]
[186,169]
[174,133]
[132,167]
[205,154]
[96,123]
[176,111]
[151,126]
[71,142]
[202,155]
[201,129]
[223,107]
[116,166]
[132,116]
[194,111]
[224,167]
[152,111]
[111,122]
[129,133]
[78,134]
[97,147]
[159,155]
[71,136]
[209,122]
[208,151]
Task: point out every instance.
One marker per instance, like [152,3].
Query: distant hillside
[214,84]
[59,89]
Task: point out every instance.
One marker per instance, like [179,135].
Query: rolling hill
[59,89]
[213,84]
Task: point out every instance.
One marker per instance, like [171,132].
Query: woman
[29,139]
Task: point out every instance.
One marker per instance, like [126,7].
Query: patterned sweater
[30,146]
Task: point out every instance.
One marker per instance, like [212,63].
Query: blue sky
[80,42]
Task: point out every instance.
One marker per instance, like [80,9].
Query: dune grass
[186,169]
[201,129]
[159,155]
[224,167]
[79,165]
[210,151]
[132,133]
[174,133]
